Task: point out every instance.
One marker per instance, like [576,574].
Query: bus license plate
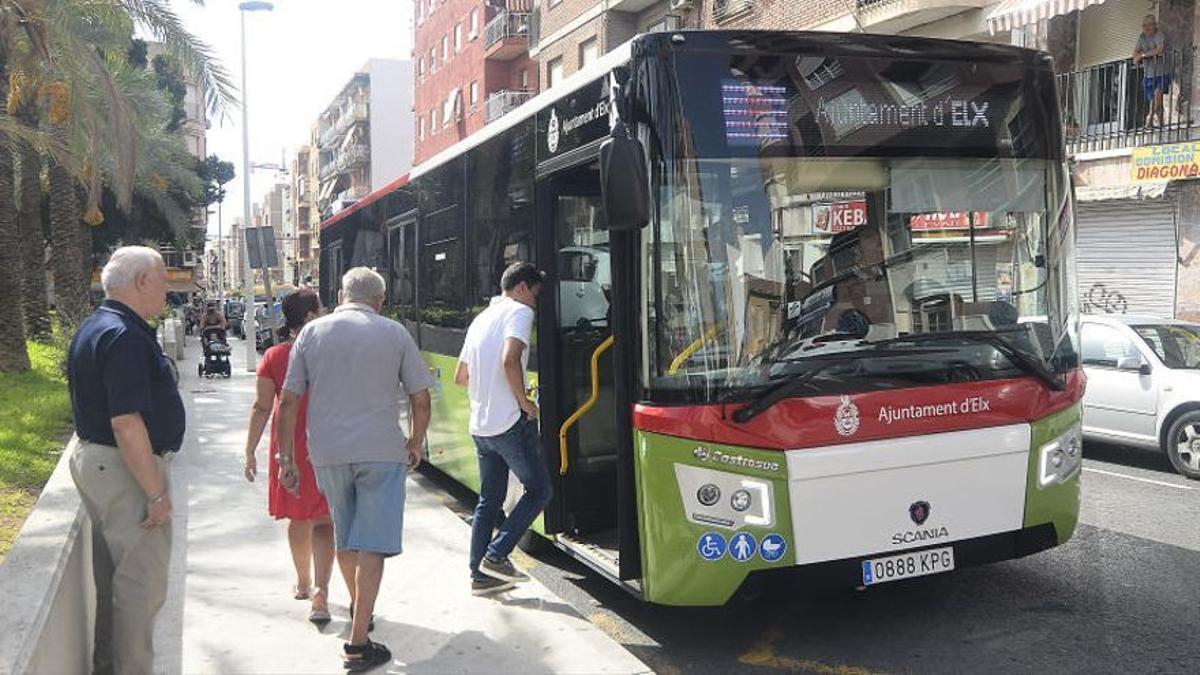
[907,565]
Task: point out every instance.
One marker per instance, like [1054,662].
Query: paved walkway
[230,608]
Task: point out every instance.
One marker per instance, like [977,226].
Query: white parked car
[1143,385]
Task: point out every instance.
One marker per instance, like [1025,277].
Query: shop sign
[839,216]
[1166,162]
[953,220]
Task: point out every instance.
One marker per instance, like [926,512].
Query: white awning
[1126,191]
[1012,14]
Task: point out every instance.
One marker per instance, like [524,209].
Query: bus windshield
[855,245]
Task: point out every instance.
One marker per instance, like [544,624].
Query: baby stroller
[216,353]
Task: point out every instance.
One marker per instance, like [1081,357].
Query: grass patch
[35,419]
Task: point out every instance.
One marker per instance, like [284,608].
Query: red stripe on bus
[880,415]
[365,201]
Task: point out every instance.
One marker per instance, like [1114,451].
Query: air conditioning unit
[190,259]
[682,4]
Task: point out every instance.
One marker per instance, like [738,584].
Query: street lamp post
[248,318]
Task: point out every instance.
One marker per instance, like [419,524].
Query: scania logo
[914,536]
[919,512]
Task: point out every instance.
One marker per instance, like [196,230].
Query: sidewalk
[230,608]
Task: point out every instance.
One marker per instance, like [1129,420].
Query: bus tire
[533,543]
[1177,434]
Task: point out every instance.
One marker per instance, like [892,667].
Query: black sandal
[370,624]
[367,656]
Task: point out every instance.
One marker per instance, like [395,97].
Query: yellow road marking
[763,655]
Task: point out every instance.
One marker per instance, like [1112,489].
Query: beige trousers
[129,563]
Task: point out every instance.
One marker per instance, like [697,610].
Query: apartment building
[304,175]
[471,65]
[275,211]
[363,140]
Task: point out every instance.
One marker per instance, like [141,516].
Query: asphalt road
[1122,596]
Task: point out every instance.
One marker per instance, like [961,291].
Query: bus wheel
[1183,444]
[533,543]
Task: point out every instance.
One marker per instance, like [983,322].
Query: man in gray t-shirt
[1151,54]
[356,366]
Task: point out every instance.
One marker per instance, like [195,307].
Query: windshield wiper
[1020,358]
[795,385]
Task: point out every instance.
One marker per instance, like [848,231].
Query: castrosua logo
[718,457]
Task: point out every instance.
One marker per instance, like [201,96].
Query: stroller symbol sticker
[711,546]
[773,547]
[742,547]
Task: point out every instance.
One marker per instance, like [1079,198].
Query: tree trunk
[14,354]
[70,245]
[33,247]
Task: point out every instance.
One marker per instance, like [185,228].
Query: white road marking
[1140,479]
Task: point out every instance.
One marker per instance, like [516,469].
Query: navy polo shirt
[116,367]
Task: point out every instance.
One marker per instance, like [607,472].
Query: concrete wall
[391,120]
[46,583]
[1187,283]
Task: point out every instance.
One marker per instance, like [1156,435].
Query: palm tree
[78,46]
[22,104]
[14,357]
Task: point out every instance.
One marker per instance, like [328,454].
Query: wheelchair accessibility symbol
[711,546]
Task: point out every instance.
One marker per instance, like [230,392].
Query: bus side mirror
[623,181]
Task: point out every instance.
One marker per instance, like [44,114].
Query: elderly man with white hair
[357,366]
[128,416]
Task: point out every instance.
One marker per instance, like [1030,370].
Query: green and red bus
[809,307]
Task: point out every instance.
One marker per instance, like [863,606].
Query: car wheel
[1183,444]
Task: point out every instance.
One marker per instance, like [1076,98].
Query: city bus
[809,305]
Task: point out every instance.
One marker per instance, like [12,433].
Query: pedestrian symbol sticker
[742,546]
[711,546]
[773,547]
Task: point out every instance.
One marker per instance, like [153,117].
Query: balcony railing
[505,25]
[352,157]
[1122,104]
[501,102]
[724,10]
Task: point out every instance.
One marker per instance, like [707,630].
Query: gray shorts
[366,502]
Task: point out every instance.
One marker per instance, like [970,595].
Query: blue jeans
[517,450]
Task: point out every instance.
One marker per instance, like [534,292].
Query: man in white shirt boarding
[504,426]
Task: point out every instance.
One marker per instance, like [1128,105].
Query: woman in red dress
[310,531]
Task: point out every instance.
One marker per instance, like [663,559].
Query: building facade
[471,64]
[1134,173]
[362,139]
[304,214]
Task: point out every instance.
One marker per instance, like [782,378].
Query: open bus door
[579,402]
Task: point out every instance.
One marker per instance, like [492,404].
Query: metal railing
[1122,104]
[504,25]
[728,9]
[352,157]
[501,102]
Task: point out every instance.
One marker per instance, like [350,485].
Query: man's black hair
[518,273]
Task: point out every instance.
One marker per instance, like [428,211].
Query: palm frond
[38,139]
[196,55]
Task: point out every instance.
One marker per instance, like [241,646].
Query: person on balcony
[1151,54]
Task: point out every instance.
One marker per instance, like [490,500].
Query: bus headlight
[1060,459]
[708,494]
[740,501]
